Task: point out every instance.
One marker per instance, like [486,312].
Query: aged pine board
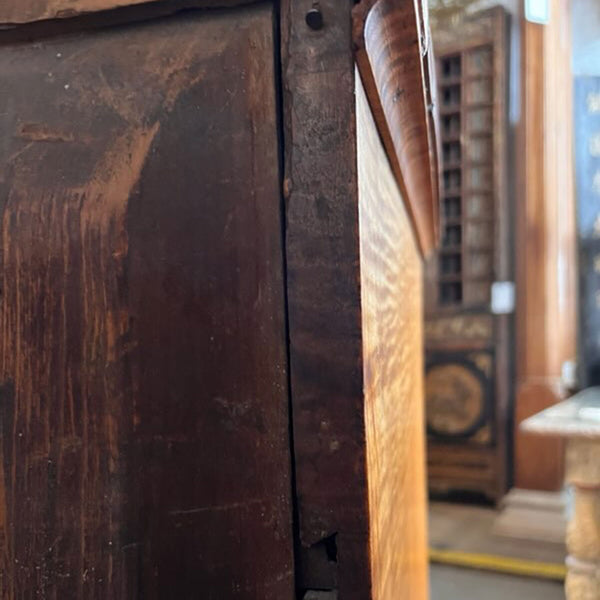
[144,420]
[392,324]
[322,248]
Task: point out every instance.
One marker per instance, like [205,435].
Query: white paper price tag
[503,297]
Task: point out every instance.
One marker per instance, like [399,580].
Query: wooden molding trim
[394,57]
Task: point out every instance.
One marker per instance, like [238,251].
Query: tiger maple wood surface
[144,419]
[392,321]
[393,51]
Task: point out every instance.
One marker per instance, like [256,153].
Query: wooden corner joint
[394,58]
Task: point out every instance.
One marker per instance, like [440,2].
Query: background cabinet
[468,381]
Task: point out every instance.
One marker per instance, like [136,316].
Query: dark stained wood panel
[144,405]
[343,531]
[392,319]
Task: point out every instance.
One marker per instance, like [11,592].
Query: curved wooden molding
[394,57]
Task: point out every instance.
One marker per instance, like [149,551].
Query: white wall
[585,35]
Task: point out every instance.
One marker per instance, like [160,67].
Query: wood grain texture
[328,367]
[392,319]
[392,43]
[546,285]
[144,419]
[324,293]
[18,12]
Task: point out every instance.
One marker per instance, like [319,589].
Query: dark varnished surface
[144,422]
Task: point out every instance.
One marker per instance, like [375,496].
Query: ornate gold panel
[455,399]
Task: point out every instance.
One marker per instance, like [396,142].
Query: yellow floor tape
[500,564]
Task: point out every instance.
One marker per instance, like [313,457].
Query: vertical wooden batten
[144,429]
[323,282]
[356,398]
[546,287]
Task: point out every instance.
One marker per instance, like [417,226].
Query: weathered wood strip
[324,296]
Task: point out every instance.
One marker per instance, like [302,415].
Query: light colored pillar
[578,421]
[583,530]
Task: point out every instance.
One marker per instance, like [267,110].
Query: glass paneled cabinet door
[468,371]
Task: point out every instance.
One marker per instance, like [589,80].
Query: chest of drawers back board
[213,224]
